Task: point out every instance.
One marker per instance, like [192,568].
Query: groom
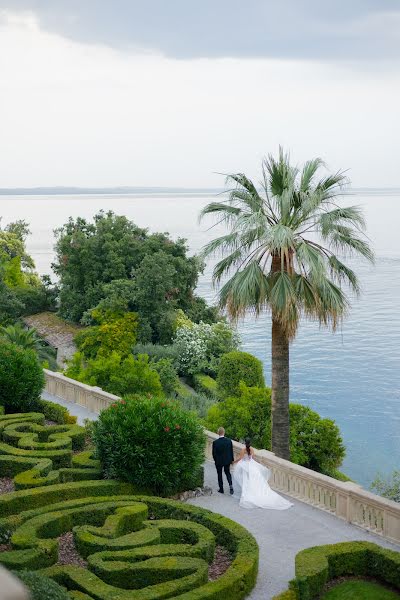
[222,451]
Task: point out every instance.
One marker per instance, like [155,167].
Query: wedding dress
[251,483]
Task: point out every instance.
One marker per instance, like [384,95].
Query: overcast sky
[154,93]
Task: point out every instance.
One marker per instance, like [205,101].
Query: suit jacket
[222,451]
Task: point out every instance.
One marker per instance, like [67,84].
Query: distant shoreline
[156,191]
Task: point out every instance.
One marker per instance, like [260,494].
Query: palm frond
[350,214]
[343,273]
[308,173]
[246,290]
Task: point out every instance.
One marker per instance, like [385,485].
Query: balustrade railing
[346,500]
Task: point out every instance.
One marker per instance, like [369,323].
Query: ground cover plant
[360,590]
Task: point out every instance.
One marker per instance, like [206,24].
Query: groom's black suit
[222,452]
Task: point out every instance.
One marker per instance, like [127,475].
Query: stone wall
[346,500]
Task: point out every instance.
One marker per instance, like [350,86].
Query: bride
[252,480]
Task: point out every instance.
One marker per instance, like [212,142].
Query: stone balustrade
[346,500]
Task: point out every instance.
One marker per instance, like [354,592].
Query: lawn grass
[360,590]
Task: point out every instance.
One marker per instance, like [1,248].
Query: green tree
[284,247]
[114,333]
[111,263]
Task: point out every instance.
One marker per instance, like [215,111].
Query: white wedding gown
[251,484]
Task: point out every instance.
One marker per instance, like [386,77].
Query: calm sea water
[352,376]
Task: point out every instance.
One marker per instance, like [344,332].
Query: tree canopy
[113,264]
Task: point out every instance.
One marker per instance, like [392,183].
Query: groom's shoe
[231,491]
[221,491]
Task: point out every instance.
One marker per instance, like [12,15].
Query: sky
[155,93]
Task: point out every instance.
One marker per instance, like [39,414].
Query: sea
[351,376]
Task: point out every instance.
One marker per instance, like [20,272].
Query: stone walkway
[280,534]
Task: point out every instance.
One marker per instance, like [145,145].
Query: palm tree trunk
[280,390]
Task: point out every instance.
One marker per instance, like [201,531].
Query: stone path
[280,534]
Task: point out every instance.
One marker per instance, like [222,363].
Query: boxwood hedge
[316,566]
[137,547]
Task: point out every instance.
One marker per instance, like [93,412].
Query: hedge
[157,547]
[56,412]
[42,588]
[317,566]
[37,455]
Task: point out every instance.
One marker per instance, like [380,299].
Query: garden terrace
[280,534]
[135,547]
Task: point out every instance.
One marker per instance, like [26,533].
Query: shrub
[206,385]
[168,375]
[238,366]
[389,487]
[197,403]
[114,333]
[116,374]
[200,346]
[150,442]
[156,351]
[314,442]
[246,415]
[56,412]
[42,588]
[21,378]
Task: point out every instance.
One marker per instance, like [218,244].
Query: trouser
[228,475]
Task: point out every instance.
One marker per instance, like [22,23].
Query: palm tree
[29,340]
[283,254]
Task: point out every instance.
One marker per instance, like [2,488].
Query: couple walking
[250,479]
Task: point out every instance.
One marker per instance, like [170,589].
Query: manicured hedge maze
[34,454]
[137,547]
[315,567]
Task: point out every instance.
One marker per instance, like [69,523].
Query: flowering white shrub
[200,346]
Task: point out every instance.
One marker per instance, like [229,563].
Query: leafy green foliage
[116,374]
[29,340]
[21,378]
[200,346]
[317,566]
[314,442]
[115,332]
[388,487]
[22,292]
[156,352]
[10,306]
[41,587]
[113,264]
[168,375]
[152,443]
[246,415]
[204,384]
[238,366]
[200,404]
